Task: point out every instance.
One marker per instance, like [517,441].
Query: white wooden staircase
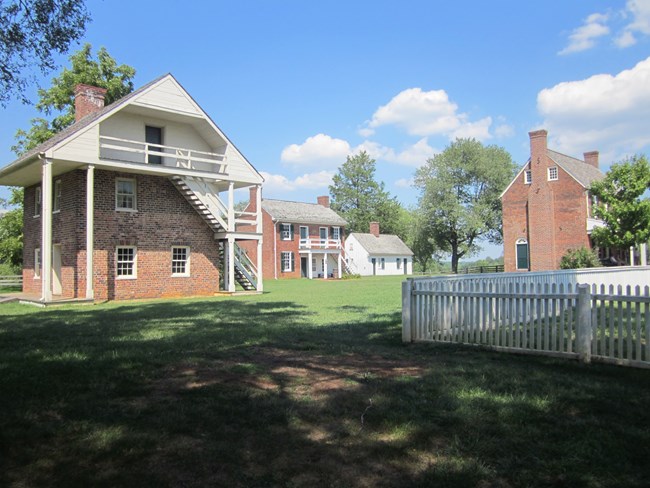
[203,196]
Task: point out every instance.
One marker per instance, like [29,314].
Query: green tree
[419,241]
[460,196]
[360,199]
[621,206]
[11,229]
[58,100]
[31,31]
[579,258]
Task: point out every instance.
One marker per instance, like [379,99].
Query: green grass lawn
[305,385]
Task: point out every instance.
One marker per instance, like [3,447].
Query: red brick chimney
[252,200]
[87,100]
[592,158]
[374,228]
[324,201]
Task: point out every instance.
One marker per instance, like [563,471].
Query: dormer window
[528,177]
[552,173]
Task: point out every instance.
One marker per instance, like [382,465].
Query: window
[522,254]
[336,233]
[37,201]
[125,194]
[287,261]
[304,232]
[323,234]
[286,232]
[398,261]
[552,173]
[56,204]
[313,265]
[180,261]
[37,264]
[528,177]
[126,262]
[154,139]
[382,263]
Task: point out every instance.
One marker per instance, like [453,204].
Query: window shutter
[292,231]
[293,267]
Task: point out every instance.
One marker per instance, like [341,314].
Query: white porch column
[631,254]
[231,264]
[46,231]
[260,281]
[310,268]
[258,206]
[90,229]
[339,265]
[325,265]
[231,206]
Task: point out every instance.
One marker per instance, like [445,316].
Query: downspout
[275,251]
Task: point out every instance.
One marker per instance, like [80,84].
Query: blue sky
[299,85]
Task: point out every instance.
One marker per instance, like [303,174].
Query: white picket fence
[531,313]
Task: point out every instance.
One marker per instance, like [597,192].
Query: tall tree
[621,206]
[31,31]
[360,199]
[103,72]
[420,242]
[460,196]
[11,229]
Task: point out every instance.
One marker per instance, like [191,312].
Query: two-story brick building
[300,239]
[547,208]
[135,200]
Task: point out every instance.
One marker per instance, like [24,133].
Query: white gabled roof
[385,244]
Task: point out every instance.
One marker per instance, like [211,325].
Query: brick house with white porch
[300,239]
[135,200]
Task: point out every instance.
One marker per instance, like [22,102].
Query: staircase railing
[245,265]
[204,191]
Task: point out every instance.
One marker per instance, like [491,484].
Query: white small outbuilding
[377,254]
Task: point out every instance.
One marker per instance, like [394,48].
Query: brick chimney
[324,201]
[592,158]
[374,228]
[252,199]
[87,100]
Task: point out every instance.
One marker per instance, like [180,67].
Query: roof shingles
[385,244]
[301,213]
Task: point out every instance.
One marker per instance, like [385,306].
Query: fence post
[583,327]
[407,333]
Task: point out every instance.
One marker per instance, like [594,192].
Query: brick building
[135,200]
[547,208]
[300,239]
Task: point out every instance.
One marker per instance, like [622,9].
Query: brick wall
[550,215]
[163,219]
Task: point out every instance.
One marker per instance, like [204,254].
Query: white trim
[528,177]
[550,177]
[289,255]
[38,201]
[186,262]
[37,263]
[519,242]
[90,230]
[282,232]
[134,274]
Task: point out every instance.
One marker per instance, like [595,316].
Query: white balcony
[314,243]
[125,150]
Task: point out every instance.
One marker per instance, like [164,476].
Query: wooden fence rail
[579,321]
[16,280]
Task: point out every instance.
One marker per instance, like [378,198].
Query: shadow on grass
[235,393]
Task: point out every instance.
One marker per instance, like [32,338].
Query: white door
[56,269]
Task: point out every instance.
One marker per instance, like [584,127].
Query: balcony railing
[312,243]
[116,149]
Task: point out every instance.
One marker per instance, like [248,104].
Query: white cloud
[366,131]
[277,185]
[321,150]
[504,131]
[639,10]
[404,183]
[426,113]
[584,37]
[608,113]
[415,155]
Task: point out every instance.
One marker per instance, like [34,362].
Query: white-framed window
[125,194]
[304,232]
[313,265]
[126,262]
[286,232]
[38,199]
[56,203]
[286,259]
[552,173]
[336,233]
[322,232]
[180,261]
[521,248]
[37,264]
[382,263]
[528,177]
[398,262]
